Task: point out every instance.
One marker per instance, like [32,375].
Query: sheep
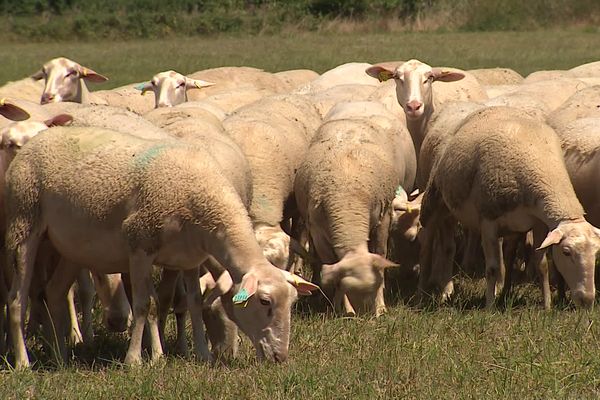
[360,153]
[326,99]
[116,308]
[237,78]
[496,76]
[417,95]
[23,89]
[550,75]
[499,175]
[345,74]
[581,144]
[297,77]
[126,97]
[170,88]
[405,228]
[540,98]
[414,92]
[163,202]
[274,143]
[589,70]
[582,104]
[64,81]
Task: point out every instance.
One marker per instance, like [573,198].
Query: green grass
[456,351]
[133,61]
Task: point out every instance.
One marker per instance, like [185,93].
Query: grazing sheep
[498,175]
[582,104]
[405,228]
[116,307]
[580,140]
[344,190]
[275,144]
[148,202]
[170,88]
[64,81]
[126,97]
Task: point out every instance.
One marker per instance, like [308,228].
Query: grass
[133,61]
[457,351]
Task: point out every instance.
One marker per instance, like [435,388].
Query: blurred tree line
[122,19]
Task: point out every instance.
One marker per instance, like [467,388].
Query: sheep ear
[38,75]
[446,76]
[59,120]
[197,83]
[382,263]
[247,290]
[379,72]
[91,75]
[554,237]
[303,286]
[223,285]
[143,87]
[12,112]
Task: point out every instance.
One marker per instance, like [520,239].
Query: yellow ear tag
[408,209]
[2,101]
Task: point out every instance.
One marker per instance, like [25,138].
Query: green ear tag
[140,86]
[241,298]
[400,191]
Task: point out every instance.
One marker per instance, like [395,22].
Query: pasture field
[457,351]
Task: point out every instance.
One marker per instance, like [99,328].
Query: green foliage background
[124,19]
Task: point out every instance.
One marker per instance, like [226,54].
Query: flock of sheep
[232,178]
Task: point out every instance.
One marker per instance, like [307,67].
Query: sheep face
[574,252]
[275,244]
[116,309]
[414,81]
[63,80]
[262,309]
[358,275]
[405,217]
[16,134]
[170,88]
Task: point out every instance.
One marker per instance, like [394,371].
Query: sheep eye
[566,251]
[70,73]
[265,302]
[182,84]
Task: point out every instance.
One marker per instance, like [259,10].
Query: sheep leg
[493,254]
[194,302]
[180,310]
[144,308]
[75,336]
[86,299]
[541,264]
[165,292]
[380,241]
[24,257]
[509,253]
[425,258]
[57,295]
[443,263]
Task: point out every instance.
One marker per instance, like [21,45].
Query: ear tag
[197,85]
[408,209]
[400,191]
[141,87]
[2,101]
[241,298]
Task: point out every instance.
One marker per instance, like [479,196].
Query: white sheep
[136,211]
[170,88]
[64,81]
[344,189]
[498,175]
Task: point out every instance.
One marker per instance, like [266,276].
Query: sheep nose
[414,105]
[583,299]
[47,98]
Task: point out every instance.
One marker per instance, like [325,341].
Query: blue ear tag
[400,191]
[241,298]
[140,87]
